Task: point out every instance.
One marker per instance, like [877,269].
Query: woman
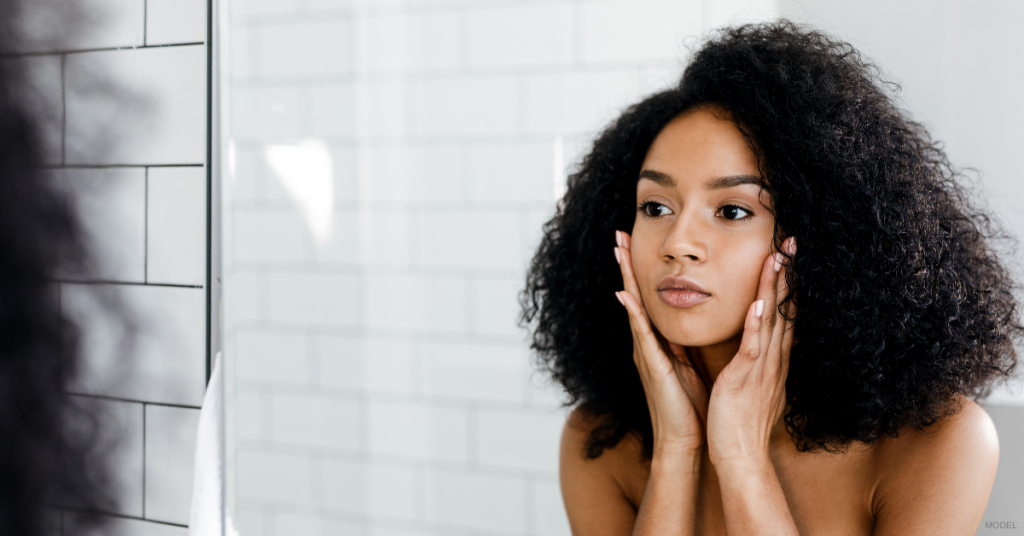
[776,176]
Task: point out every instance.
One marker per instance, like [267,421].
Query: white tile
[385,172]
[344,485]
[313,298]
[419,431]
[76,25]
[305,48]
[272,356]
[474,238]
[466,106]
[434,42]
[475,371]
[119,526]
[176,226]
[249,8]
[167,362]
[136,106]
[283,478]
[175,21]
[521,35]
[548,509]
[120,432]
[269,235]
[266,113]
[373,489]
[630,30]
[245,415]
[381,110]
[522,171]
[416,303]
[170,458]
[476,501]
[241,57]
[43,93]
[294,524]
[526,440]
[497,305]
[382,42]
[581,101]
[111,204]
[392,491]
[245,296]
[334,106]
[379,236]
[438,172]
[370,364]
[316,421]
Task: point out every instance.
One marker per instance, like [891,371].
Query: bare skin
[702,286]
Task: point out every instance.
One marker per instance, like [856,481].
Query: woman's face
[701,234]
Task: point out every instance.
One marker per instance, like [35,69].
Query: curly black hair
[903,301]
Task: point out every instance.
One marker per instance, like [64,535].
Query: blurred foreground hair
[53,446]
[903,303]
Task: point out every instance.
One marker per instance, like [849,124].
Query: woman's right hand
[677,397]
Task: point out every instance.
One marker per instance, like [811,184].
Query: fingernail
[758,308]
[778,261]
[620,299]
[618,256]
[789,246]
[618,239]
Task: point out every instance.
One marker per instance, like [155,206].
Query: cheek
[741,273]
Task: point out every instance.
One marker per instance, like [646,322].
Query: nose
[685,239]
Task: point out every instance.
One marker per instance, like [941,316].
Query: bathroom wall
[390,164]
[381,385]
[122,85]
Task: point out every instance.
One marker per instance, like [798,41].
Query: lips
[681,292]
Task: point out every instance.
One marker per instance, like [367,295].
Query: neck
[709,362]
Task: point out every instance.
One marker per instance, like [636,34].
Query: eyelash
[645,207]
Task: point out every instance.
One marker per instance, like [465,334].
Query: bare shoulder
[597,490]
[942,474]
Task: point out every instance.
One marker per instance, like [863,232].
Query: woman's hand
[749,394]
[677,397]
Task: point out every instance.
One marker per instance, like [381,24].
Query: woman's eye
[654,210]
[732,212]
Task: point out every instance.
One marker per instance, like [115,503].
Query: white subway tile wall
[381,385]
[124,108]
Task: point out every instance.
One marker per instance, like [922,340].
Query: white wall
[124,94]
[381,385]
[392,162]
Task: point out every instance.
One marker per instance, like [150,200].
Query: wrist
[752,464]
[677,458]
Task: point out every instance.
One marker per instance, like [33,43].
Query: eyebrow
[719,183]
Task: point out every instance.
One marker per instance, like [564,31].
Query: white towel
[207,515]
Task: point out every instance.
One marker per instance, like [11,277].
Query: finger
[766,291]
[750,344]
[643,336]
[625,258]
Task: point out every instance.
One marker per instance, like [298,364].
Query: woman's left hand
[749,394]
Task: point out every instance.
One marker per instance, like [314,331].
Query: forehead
[701,145]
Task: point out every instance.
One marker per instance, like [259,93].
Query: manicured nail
[758,308]
[620,299]
[778,261]
[789,246]
[618,238]
[618,256]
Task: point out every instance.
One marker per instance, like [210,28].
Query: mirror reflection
[396,174]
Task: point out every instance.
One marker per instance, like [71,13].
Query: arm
[597,504]
[747,400]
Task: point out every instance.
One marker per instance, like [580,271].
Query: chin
[687,332]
